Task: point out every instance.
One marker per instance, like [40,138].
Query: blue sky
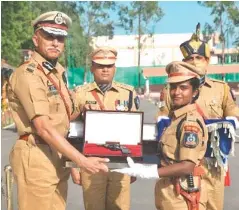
[180,17]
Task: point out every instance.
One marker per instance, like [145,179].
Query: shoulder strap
[58,89]
[95,95]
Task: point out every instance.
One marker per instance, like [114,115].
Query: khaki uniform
[38,168]
[215,101]
[103,191]
[174,150]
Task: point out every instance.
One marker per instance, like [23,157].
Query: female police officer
[181,148]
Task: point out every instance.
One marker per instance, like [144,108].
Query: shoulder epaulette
[82,87]
[191,117]
[31,67]
[125,86]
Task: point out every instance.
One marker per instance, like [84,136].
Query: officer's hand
[139,170]
[95,164]
[75,175]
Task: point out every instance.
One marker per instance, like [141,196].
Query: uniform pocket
[39,156]
[55,103]
[19,157]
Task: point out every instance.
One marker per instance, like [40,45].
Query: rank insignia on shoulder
[91,102]
[48,65]
[31,67]
[30,70]
[137,102]
[190,140]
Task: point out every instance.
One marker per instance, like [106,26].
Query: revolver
[116,147]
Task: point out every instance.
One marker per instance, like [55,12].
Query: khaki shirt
[116,98]
[215,100]
[31,94]
[190,142]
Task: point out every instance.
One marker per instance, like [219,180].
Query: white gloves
[139,170]
[162,117]
[234,119]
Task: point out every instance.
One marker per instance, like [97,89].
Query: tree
[234,16]
[75,43]
[15,30]
[138,17]
[223,12]
[96,21]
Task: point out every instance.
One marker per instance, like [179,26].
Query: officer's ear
[35,40]
[195,93]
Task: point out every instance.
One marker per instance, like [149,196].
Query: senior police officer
[110,191]
[41,107]
[215,101]
[181,147]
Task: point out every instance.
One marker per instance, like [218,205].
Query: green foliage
[96,21]
[149,12]
[140,17]
[234,16]
[226,18]
[95,18]
[15,29]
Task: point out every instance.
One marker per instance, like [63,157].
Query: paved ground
[142,195]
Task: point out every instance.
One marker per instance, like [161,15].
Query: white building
[159,49]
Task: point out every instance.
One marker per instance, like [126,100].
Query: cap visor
[104,62]
[179,79]
[55,31]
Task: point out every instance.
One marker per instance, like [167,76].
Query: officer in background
[41,108]
[181,147]
[109,191]
[215,101]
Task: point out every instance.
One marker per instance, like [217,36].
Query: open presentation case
[115,135]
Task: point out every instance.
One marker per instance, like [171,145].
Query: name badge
[91,102]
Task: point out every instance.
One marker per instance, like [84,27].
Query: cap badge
[105,56]
[58,19]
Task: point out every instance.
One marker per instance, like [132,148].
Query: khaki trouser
[167,199]
[215,186]
[41,180]
[106,191]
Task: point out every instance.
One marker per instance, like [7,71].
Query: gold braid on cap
[195,45]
